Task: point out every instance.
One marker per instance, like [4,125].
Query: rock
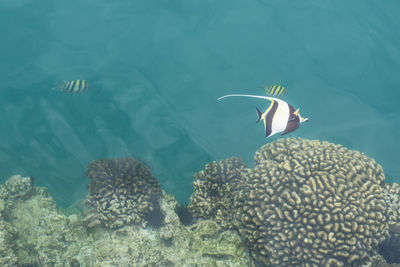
[19,187]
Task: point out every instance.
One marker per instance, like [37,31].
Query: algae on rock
[7,256]
[44,236]
[202,244]
[42,231]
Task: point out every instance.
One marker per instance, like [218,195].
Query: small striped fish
[275,90]
[75,86]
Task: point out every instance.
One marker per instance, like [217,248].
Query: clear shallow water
[157,68]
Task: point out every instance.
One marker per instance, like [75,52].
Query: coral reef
[390,248]
[122,191]
[392,200]
[41,230]
[11,193]
[305,203]
[202,244]
[214,191]
[7,256]
[313,203]
[185,216]
[37,233]
[18,187]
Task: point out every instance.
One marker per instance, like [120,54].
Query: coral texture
[390,248]
[214,191]
[313,203]
[43,236]
[39,231]
[122,191]
[202,244]
[7,256]
[19,187]
[392,200]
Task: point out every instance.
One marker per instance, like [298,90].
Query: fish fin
[58,86]
[254,96]
[288,131]
[291,126]
[259,113]
[296,113]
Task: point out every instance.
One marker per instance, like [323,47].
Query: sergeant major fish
[279,117]
[75,86]
[275,90]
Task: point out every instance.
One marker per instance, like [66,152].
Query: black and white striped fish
[279,117]
[75,86]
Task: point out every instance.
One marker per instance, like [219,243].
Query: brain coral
[214,188]
[122,191]
[312,203]
[392,199]
[390,248]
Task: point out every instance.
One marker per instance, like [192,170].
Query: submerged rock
[18,187]
[42,231]
[7,256]
[39,234]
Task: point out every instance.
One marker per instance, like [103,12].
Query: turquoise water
[156,69]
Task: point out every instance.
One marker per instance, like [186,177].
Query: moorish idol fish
[75,86]
[280,117]
[275,90]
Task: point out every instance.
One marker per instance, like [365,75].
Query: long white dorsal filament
[254,96]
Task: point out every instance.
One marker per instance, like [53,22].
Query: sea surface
[156,69]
